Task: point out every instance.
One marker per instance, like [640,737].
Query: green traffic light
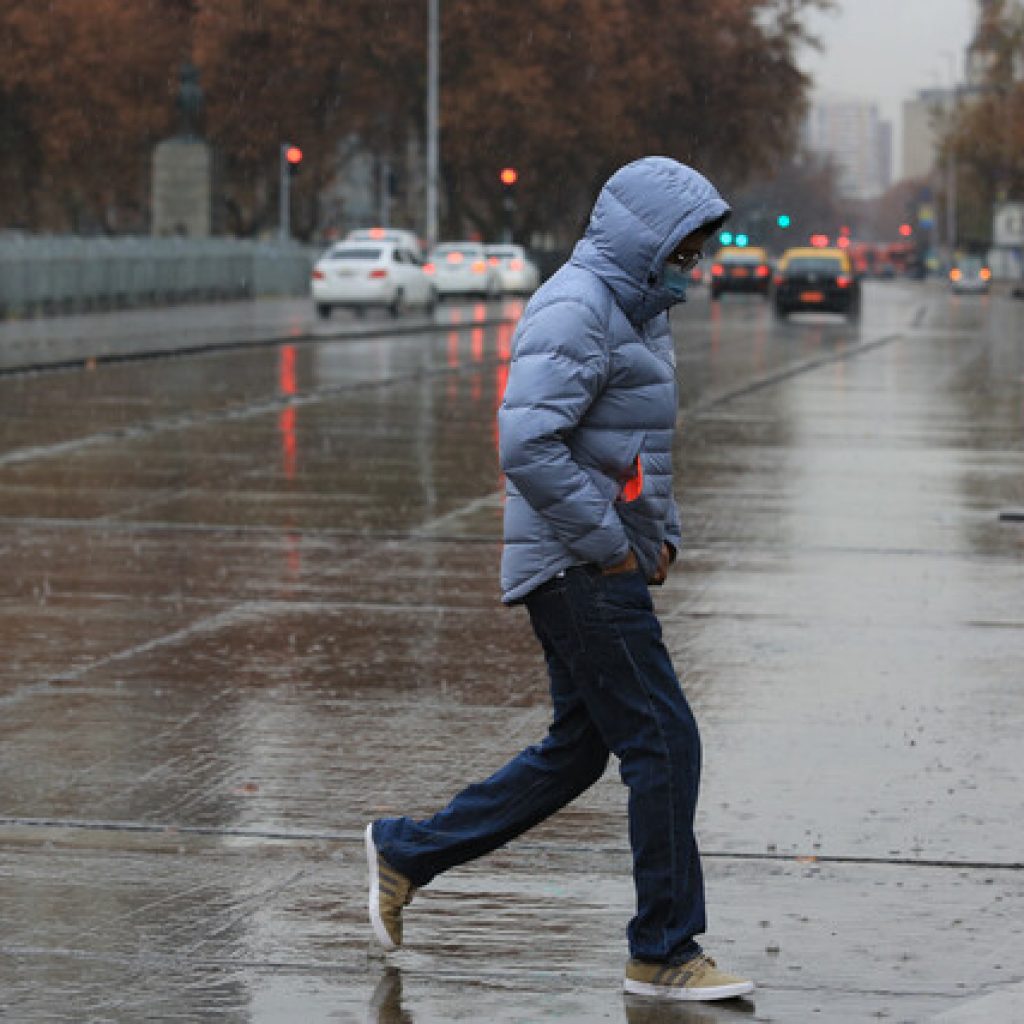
[742,240]
[783,220]
[725,238]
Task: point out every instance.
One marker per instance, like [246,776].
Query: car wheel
[397,306]
[780,310]
[714,294]
[432,300]
[323,310]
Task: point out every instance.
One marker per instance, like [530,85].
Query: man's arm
[559,368]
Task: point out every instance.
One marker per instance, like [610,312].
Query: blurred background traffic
[222,148]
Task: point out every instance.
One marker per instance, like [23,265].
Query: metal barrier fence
[67,274]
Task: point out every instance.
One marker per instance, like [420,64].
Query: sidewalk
[37,342]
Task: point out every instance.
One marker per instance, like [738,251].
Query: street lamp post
[284,194]
[433,75]
[951,210]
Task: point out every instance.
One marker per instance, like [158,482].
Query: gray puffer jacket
[589,412]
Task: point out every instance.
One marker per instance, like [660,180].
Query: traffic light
[742,240]
[293,158]
[906,230]
[783,220]
[725,237]
[508,177]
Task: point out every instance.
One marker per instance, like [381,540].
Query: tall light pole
[433,74]
[284,205]
[951,211]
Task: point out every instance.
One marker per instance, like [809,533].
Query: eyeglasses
[687,259]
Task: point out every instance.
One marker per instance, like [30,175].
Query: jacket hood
[642,213]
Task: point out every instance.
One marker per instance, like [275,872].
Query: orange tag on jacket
[635,484]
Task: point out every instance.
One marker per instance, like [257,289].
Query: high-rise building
[924,118]
[857,140]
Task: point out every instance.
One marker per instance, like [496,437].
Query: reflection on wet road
[250,599]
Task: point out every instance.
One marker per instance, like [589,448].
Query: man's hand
[664,561]
[628,564]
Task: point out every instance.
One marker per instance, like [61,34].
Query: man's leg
[625,676]
[537,782]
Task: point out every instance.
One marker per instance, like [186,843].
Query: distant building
[923,119]
[858,142]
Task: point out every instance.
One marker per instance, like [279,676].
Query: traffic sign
[1008,224]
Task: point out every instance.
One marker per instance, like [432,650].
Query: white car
[358,275]
[461,268]
[408,239]
[518,273]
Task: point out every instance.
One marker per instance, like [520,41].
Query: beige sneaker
[389,893]
[698,980]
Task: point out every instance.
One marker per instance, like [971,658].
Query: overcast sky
[885,50]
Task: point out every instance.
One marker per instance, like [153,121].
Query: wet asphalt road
[250,600]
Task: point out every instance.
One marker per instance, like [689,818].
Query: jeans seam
[671,782]
[639,675]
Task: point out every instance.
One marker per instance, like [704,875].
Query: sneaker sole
[379,931]
[690,995]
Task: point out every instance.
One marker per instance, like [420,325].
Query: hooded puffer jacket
[588,417]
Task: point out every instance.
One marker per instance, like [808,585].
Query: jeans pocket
[618,594]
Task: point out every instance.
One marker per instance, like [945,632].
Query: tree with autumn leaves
[564,90]
[986,136]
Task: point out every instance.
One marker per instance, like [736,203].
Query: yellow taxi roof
[811,251]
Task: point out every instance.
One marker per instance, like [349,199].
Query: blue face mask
[675,280]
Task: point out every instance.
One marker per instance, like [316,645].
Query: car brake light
[717,270]
[515,265]
[454,257]
[986,274]
[479,267]
[377,274]
[842,281]
[429,268]
[493,260]
[761,271]
[954,274]
[377,232]
[319,275]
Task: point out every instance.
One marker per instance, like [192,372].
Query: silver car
[969,274]
[519,274]
[461,268]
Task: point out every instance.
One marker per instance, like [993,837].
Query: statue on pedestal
[185,185]
[189,102]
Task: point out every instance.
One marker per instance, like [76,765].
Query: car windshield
[354,254]
[820,264]
[971,265]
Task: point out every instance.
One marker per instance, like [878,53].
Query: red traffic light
[906,230]
[293,155]
[509,176]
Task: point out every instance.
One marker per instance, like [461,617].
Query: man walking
[586,429]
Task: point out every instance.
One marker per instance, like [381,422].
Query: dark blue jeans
[613,690]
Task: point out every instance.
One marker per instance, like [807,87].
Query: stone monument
[184,183]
